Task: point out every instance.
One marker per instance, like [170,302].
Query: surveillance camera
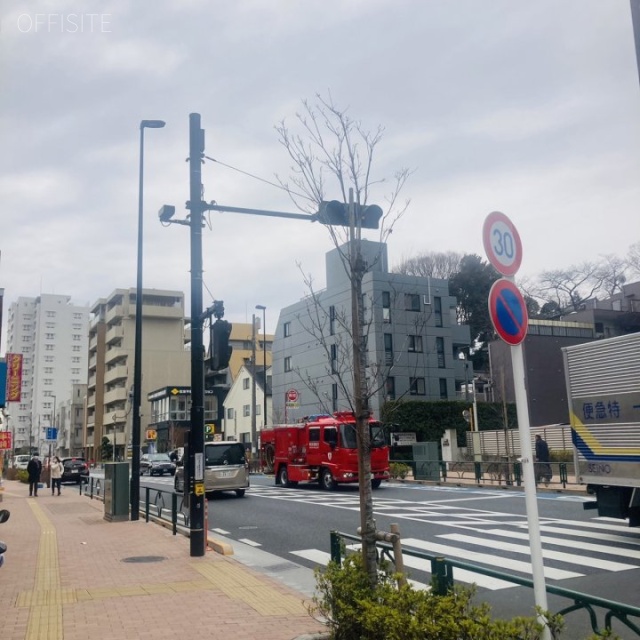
[167,211]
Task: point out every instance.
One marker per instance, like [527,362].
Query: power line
[251,175]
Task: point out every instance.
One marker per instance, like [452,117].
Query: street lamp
[137,357]
[262,308]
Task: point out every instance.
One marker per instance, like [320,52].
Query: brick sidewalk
[67,576]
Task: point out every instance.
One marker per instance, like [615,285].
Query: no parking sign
[508,311]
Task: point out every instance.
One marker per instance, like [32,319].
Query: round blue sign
[508,311]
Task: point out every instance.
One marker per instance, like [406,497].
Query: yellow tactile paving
[240,585]
[45,602]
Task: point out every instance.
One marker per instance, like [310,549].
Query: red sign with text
[14,377]
[5,440]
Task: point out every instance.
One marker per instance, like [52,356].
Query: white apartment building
[52,336]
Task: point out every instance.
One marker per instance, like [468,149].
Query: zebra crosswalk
[487,548]
[487,538]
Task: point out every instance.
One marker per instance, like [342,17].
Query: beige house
[165,360]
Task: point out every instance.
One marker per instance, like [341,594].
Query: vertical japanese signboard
[14,376]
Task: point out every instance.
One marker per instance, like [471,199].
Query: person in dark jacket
[543,468]
[34,469]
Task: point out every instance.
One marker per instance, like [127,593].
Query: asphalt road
[486,527]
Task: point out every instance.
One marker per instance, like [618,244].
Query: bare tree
[333,155]
[571,287]
[433,264]
[613,271]
[633,258]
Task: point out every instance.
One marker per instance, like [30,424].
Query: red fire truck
[322,448]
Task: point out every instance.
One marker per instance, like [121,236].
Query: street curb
[223,548]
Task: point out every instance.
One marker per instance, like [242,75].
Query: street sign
[508,311]
[5,440]
[52,433]
[502,243]
[292,396]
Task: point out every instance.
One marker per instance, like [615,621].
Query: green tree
[106,449]
[471,286]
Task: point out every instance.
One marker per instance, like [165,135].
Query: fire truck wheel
[327,481]
[240,493]
[283,476]
[375,483]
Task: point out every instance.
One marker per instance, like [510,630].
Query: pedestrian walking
[34,469]
[543,468]
[56,470]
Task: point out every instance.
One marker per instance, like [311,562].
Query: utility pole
[195,488]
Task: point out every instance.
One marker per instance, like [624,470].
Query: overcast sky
[530,108]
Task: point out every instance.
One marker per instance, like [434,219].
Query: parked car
[225,469]
[74,469]
[21,462]
[156,463]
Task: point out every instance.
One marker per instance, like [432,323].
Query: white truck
[603,391]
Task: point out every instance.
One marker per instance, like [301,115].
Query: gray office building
[411,341]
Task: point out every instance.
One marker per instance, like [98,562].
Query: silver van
[225,469]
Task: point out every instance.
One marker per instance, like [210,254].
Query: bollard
[443,470]
[517,472]
[146,503]
[174,513]
[564,478]
[442,575]
[335,548]
[397,555]
[477,467]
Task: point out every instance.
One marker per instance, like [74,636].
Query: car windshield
[219,454]
[348,435]
[159,457]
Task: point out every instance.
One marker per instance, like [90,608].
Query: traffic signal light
[333,212]
[220,332]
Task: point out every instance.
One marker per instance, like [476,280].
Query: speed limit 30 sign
[502,243]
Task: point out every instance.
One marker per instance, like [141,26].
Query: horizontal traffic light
[334,212]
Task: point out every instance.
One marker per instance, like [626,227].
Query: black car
[74,469]
[156,463]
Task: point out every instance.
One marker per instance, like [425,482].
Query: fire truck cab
[322,448]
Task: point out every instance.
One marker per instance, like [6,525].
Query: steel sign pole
[504,250]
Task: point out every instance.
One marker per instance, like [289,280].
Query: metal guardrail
[443,580]
[485,472]
[165,505]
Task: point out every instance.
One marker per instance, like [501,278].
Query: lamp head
[152,124]
[261,307]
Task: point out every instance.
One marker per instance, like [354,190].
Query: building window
[443,389]
[245,383]
[77,337]
[332,320]
[48,382]
[75,372]
[48,369]
[415,344]
[412,302]
[51,314]
[388,348]
[416,386]
[440,352]
[246,410]
[48,358]
[76,348]
[258,407]
[390,388]
[437,311]
[334,396]
[230,413]
[287,329]
[386,306]
[49,336]
[75,359]
[287,364]
[334,358]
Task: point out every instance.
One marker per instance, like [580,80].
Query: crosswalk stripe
[491,560]
[322,558]
[610,537]
[584,546]
[597,525]
[251,543]
[569,558]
